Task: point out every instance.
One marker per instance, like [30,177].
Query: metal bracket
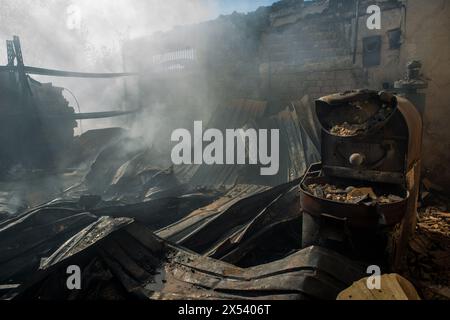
[11,58]
[23,78]
[11,53]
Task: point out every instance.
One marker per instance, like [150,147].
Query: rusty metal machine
[36,122]
[368,180]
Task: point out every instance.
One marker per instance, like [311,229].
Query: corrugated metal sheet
[305,109]
[122,260]
[27,238]
[180,230]
[300,148]
[299,140]
[234,116]
[237,223]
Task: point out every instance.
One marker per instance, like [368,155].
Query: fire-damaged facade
[302,50]
[361,113]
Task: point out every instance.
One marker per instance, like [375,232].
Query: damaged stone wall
[307,50]
[297,49]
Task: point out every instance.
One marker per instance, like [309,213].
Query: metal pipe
[355,40]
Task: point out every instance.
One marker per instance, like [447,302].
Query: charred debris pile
[139,228]
[349,193]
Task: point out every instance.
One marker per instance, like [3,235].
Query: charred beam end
[66,74]
[101,115]
[79,116]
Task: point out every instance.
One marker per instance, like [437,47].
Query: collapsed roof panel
[131,262]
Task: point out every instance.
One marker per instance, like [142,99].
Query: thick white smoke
[85,35]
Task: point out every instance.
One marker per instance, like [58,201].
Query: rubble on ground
[428,261]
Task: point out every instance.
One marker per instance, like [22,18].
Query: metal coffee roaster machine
[368,182]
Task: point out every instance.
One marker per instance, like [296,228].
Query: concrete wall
[296,49]
[428,39]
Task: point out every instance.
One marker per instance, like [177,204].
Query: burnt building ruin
[361,114]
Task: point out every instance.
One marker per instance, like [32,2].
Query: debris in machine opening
[361,117]
[363,195]
[348,130]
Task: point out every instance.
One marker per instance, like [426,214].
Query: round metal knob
[357,159]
